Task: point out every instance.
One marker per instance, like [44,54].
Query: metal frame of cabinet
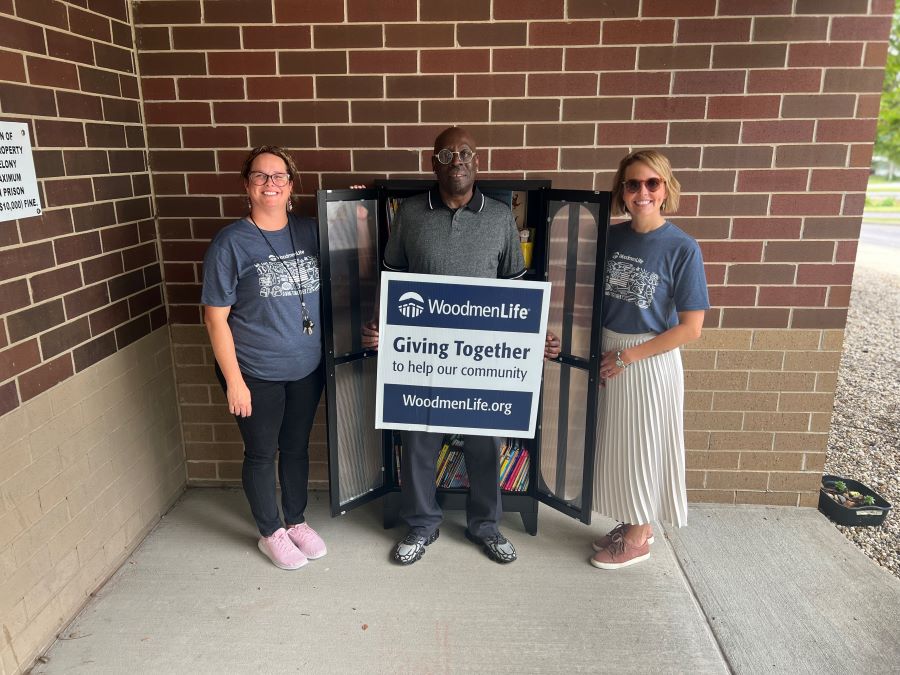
[569,251]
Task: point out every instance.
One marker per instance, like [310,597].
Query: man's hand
[551,346]
[369,334]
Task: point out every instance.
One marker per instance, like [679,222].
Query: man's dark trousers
[418,505]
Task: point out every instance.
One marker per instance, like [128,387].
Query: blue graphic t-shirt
[650,278]
[241,272]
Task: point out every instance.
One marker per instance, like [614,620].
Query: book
[450,468]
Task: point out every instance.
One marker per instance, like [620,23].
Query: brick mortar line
[70,350]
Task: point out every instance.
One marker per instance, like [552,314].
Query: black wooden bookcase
[569,229]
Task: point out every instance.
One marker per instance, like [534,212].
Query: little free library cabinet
[563,236]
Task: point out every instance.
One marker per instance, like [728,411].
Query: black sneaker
[412,547]
[496,546]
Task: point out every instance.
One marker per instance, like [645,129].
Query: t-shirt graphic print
[283,276]
[625,280]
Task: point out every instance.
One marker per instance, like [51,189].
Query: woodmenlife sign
[460,354]
[19,196]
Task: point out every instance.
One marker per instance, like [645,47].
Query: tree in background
[887,141]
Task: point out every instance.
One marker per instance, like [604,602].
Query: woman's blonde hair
[661,165]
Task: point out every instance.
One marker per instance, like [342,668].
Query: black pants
[281,420]
[418,505]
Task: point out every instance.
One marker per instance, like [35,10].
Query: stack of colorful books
[451,464]
[515,462]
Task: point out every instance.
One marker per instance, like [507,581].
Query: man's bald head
[452,136]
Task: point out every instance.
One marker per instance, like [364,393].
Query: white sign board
[460,354]
[19,196]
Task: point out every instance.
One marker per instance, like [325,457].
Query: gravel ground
[865,428]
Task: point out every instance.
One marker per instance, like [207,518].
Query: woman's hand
[551,346]
[238,399]
[608,367]
[369,334]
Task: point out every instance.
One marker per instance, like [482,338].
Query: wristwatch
[619,362]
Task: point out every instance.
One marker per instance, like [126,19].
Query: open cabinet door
[348,243]
[576,226]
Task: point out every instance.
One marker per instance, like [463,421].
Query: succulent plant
[840,486]
[868,500]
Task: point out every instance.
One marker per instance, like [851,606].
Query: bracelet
[619,362]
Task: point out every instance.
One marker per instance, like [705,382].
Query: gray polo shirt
[478,240]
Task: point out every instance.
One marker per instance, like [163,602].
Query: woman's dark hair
[661,165]
[292,170]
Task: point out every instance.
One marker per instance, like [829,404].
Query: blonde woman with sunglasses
[654,302]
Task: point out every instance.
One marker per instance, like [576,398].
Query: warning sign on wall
[19,196]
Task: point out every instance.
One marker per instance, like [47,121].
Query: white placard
[19,196]
[460,354]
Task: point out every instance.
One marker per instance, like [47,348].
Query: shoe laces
[497,539]
[618,544]
[281,541]
[411,538]
[618,529]
[303,532]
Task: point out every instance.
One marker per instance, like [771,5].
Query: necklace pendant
[308,326]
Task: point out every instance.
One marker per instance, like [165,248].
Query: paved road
[879,246]
[881,234]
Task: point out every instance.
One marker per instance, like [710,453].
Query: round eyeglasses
[653,184]
[445,156]
[278,179]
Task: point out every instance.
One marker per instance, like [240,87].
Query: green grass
[886,203]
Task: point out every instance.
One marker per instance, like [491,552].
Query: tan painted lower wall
[86,469]
[757,415]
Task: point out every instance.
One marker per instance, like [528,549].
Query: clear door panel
[563,416]
[353,269]
[359,455]
[572,262]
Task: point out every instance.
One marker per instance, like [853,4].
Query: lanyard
[308,324]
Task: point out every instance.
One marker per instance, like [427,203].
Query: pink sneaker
[307,540]
[620,554]
[281,551]
[604,541]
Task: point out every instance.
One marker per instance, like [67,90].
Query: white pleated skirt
[640,460]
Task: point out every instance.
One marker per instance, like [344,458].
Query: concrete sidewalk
[742,589]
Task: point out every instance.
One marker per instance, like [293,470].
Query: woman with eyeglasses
[261,309]
[655,298]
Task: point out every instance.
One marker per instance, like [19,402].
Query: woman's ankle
[637,535]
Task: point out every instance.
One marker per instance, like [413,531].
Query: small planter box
[866,514]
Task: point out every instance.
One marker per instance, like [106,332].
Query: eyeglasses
[653,184]
[278,179]
[445,156]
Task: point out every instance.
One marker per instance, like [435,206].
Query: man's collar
[476,203]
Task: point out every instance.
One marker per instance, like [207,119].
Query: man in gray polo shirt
[453,229]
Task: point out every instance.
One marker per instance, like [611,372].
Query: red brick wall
[82,280]
[766,107]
